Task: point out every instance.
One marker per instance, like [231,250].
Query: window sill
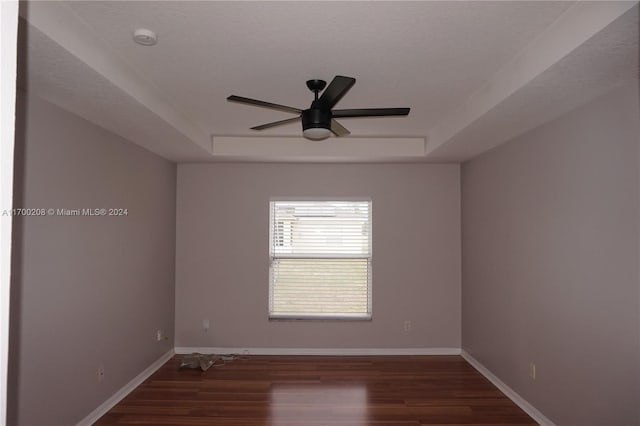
[291,317]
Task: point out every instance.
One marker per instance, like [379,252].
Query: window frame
[322,317]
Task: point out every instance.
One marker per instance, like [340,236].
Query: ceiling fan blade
[275,123]
[338,87]
[263,104]
[369,112]
[338,129]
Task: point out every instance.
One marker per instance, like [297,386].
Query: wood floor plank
[316,391]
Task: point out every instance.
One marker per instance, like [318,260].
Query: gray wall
[222,254]
[85,290]
[550,263]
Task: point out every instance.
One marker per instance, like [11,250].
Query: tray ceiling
[474,73]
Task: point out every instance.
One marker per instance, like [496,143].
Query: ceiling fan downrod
[316,86]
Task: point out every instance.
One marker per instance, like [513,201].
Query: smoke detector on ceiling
[145,37]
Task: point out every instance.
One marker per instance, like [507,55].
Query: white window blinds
[320,259]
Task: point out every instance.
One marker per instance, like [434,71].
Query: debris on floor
[204,361]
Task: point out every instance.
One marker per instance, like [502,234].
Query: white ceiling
[473,73]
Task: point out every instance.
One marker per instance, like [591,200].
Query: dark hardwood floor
[313,390]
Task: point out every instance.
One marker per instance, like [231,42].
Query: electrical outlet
[205,324]
[407,326]
[532,371]
[100,373]
[159,335]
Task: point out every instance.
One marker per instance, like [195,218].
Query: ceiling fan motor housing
[316,118]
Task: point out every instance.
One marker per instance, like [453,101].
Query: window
[320,259]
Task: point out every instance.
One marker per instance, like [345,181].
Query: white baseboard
[320,351]
[125,390]
[510,393]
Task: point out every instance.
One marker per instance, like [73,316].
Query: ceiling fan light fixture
[316,133]
[316,124]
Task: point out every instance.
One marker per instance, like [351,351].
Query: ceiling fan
[318,121]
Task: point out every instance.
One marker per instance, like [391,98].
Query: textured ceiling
[439,58]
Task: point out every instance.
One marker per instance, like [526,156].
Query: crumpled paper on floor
[197,360]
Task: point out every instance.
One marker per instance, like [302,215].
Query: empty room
[299,213]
